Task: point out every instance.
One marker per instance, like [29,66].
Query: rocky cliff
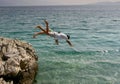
[18,62]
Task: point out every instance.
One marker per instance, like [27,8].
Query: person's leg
[47,27]
[41,28]
[38,33]
[69,42]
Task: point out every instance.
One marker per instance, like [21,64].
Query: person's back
[58,35]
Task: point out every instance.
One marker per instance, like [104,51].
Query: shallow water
[94,31]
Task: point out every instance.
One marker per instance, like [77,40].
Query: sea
[94,32]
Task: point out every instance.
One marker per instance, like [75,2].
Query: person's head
[59,32]
[68,36]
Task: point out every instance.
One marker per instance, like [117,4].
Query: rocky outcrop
[18,62]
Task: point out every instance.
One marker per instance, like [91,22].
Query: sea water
[95,35]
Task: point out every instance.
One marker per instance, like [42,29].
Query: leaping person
[57,35]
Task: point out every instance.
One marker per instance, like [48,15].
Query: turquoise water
[95,34]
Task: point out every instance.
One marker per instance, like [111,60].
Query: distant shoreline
[92,4]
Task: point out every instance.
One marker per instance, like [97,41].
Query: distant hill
[107,3]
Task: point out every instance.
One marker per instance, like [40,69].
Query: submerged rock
[18,62]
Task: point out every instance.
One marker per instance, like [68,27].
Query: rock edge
[18,62]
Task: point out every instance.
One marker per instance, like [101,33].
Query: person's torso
[57,35]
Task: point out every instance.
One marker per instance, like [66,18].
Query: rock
[18,62]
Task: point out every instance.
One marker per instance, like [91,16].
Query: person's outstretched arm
[56,41]
[69,43]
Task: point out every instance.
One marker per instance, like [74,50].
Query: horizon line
[61,4]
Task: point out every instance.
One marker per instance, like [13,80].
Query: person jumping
[57,35]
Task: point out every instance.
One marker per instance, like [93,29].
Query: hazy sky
[49,2]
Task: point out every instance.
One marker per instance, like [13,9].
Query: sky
[50,2]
